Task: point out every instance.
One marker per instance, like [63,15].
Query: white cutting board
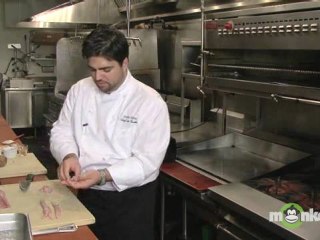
[73,211]
[21,166]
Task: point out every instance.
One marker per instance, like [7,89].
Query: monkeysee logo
[292,215]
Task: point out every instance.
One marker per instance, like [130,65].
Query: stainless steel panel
[144,55]
[169,64]
[237,157]
[39,107]
[25,9]
[276,6]
[186,135]
[288,118]
[15,226]
[275,31]
[71,67]
[261,88]
[226,231]
[171,55]
[18,108]
[143,60]
[122,4]
[150,77]
[191,9]
[88,11]
[24,107]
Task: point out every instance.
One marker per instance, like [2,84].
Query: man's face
[108,75]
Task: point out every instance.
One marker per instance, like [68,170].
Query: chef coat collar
[124,87]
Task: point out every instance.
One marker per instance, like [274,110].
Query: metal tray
[236,157]
[15,226]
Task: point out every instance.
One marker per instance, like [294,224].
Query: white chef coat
[126,131]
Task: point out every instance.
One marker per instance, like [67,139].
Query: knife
[66,228]
[24,185]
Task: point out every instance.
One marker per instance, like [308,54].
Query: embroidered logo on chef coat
[129,119]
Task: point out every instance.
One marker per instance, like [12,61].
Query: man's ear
[125,64]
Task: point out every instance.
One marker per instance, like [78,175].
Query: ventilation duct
[136,4]
[60,13]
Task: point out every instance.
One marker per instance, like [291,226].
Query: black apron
[126,215]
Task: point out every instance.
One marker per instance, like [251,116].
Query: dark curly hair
[107,42]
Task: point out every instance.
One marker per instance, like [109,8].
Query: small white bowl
[9,151]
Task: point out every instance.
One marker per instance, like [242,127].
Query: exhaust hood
[60,13]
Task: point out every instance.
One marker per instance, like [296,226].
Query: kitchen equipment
[257,206]
[268,54]
[237,157]
[24,185]
[138,4]
[123,3]
[258,52]
[71,67]
[21,83]
[33,102]
[15,226]
[303,189]
[53,193]
[21,166]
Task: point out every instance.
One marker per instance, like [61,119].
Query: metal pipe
[283,70]
[182,110]
[258,112]
[299,100]
[202,43]
[224,114]
[15,62]
[128,17]
[134,39]
[184,220]
[202,62]
[98,11]
[224,228]
[162,223]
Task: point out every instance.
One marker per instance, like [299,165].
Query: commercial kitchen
[241,82]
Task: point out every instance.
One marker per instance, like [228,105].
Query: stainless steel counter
[237,157]
[187,135]
[24,107]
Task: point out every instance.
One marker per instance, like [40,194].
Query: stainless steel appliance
[269,53]
[24,107]
[236,157]
[250,172]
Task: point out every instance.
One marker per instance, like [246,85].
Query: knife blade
[25,184]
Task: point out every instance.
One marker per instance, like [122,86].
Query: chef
[110,140]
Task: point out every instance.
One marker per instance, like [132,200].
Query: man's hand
[88,179]
[69,169]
